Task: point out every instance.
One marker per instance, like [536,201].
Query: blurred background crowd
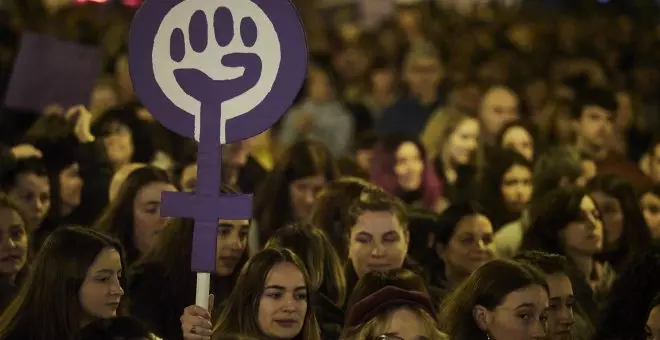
[491,166]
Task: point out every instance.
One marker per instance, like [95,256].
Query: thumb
[211,299]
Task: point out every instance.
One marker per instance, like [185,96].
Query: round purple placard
[247,57]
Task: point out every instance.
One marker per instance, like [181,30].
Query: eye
[301,296]
[224,231]
[274,295]
[17,233]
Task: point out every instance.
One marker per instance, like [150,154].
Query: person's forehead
[500,96]
[596,109]
[376,222]
[516,132]
[534,295]
[286,275]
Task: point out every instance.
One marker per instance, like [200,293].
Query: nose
[9,242]
[538,330]
[310,196]
[235,243]
[481,245]
[116,289]
[378,250]
[290,305]
[566,316]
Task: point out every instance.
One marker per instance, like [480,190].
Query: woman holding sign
[270,300]
[164,273]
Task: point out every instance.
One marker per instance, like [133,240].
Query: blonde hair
[375,325]
[440,127]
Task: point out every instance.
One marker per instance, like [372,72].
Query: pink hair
[382,174]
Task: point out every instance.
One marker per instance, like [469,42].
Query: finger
[211,299]
[199,311]
[196,321]
[74,111]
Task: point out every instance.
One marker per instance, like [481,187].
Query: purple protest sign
[49,71]
[218,71]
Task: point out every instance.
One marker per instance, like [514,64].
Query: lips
[229,260]
[286,323]
[378,267]
[11,259]
[113,305]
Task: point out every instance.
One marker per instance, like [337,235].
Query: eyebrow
[283,288]
[153,202]
[107,271]
[526,305]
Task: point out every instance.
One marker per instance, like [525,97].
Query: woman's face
[320,89]
[584,236]
[383,80]
[378,242]
[283,303]
[147,221]
[71,186]
[560,315]
[612,217]
[101,290]
[404,323]
[119,144]
[303,193]
[462,144]
[13,242]
[651,208]
[653,324]
[522,315]
[409,166]
[188,180]
[230,245]
[519,140]
[517,187]
[468,248]
[33,191]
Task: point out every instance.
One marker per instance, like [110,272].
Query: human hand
[196,322]
[25,151]
[83,123]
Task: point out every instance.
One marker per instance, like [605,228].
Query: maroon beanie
[383,299]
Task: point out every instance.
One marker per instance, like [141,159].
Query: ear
[440,250]
[480,315]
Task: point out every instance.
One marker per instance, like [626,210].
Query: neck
[448,168]
[66,209]
[426,96]
[584,263]
[594,151]
[454,278]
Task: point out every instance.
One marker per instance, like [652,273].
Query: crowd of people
[492,174]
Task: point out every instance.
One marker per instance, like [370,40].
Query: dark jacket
[157,301]
[330,317]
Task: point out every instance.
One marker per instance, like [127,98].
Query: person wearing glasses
[391,305]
